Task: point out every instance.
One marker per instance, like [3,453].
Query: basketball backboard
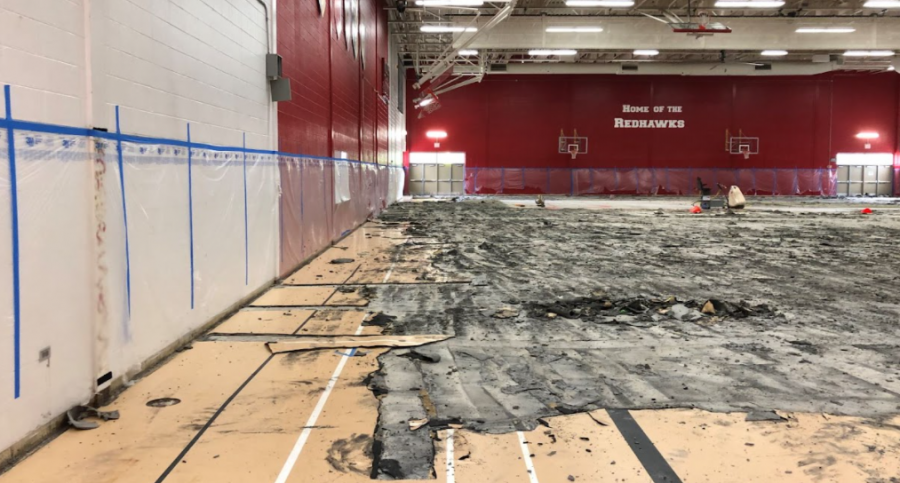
[744,145]
[573,145]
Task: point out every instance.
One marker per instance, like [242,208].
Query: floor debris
[312,342]
[604,309]
[418,355]
[764,416]
[415,424]
[506,313]
[77,417]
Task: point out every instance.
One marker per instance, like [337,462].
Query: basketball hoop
[572,145]
[741,145]
[700,29]
[429,103]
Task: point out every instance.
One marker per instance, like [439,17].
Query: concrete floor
[523,398]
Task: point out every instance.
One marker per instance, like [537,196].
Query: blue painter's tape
[75,131]
[14,207]
[191,208]
[246,218]
[126,325]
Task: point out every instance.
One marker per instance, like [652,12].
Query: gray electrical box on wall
[273,66]
[281,88]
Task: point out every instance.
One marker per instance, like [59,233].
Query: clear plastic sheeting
[201,233]
[341,182]
[56,269]
[127,244]
[7,317]
[647,181]
[311,215]
[396,181]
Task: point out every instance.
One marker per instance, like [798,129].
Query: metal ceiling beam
[620,34]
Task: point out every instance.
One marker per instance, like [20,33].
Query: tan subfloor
[269,401]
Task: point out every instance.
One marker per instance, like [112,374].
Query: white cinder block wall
[166,63]
[397,121]
[42,53]
[170,62]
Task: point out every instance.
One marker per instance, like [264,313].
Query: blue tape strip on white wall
[126,323]
[14,207]
[246,221]
[11,125]
[79,131]
[191,208]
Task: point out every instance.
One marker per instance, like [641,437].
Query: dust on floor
[577,310]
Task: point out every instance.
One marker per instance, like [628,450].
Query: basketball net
[573,150]
[430,103]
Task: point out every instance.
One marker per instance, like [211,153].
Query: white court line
[391,270]
[526,455]
[451,471]
[301,441]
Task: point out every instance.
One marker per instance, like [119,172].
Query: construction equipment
[706,200]
[735,199]
[730,198]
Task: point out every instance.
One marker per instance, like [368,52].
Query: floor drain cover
[163,402]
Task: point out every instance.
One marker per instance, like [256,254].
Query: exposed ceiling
[629,28]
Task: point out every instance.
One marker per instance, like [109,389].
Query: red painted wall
[802,122]
[336,104]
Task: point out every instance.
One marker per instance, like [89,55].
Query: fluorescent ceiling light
[646,52]
[869,53]
[825,30]
[450,3]
[434,29]
[560,30]
[749,4]
[867,135]
[600,3]
[552,52]
[468,52]
[436,134]
[774,53]
[426,101]
[882,4]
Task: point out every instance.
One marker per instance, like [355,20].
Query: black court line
[341,284]
[315,312]
[224,405]
[359,308]
[654,463]
[458,282]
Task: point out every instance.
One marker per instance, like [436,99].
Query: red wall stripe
[803,122]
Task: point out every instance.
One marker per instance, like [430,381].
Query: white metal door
[436,174]
[865,174]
